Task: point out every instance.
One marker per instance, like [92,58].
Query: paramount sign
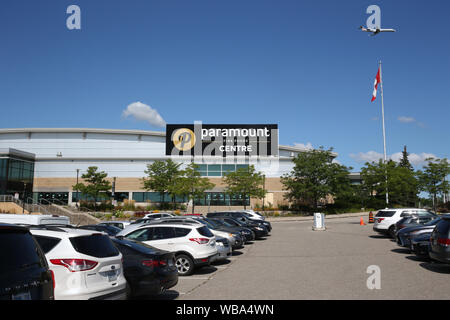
[223,140]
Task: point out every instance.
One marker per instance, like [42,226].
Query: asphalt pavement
[295,262]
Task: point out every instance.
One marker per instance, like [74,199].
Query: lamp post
[113,190]
[264,187]
[24,196]
[78,194]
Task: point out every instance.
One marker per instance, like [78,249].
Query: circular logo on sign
[183,139]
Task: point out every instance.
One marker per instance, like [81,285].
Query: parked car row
[197,240]
[424,233]
[44,257]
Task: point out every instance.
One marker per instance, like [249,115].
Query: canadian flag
[377,81]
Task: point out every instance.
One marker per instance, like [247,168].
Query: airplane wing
[387,30]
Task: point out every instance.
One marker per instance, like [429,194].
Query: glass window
[96,245]
[19,251]
[228,168]
[385,214]
[138,196]
[181,232]
[3,168]
[214,167]
[160,233]
[47,243]
[204,231]
[141,234]
[214,170]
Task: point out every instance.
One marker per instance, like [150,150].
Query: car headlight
[259,228]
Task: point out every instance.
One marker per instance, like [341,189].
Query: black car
[247,233]
[24,272]
[259,230]
[109,230]
[420,245]
[241,216]
[404,235]
[149,271]
[440,241]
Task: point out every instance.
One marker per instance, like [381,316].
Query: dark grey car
[404,235]
[440,241]
[414,220]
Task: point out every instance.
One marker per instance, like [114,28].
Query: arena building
[45,163]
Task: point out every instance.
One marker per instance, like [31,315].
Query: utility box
[319,222]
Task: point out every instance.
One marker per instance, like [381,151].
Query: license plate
[111,275]
[22,296]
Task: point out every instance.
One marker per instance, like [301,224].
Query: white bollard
[319,222]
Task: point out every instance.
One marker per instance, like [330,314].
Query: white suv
[193,244]
[385,220]
[157,215]
[86,264]
[232,239]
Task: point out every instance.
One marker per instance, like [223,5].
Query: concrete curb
[311,218]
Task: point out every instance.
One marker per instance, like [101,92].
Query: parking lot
[295,262]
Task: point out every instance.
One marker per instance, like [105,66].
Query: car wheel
[391,231]
[184,264]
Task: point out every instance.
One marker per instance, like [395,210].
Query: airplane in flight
[375,31]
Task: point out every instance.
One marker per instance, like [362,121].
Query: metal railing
[30,207]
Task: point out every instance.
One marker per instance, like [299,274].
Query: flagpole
[384,135]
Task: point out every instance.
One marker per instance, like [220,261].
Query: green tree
[399,180]
[161,176]
[404,161]
[433,178]
[245,182]
[314,177]
[191,184]
[95,183]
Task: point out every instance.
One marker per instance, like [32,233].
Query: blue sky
[301,64]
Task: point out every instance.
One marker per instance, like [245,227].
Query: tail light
[200,240]
[443,241]
[380,219]
[75,265]
[153,263]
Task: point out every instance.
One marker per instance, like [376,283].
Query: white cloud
[143,112]
[419,159]
[369,156]
[406,119]
[302,146]
[416,159]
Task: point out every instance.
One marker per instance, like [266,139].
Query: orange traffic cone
[361,222]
